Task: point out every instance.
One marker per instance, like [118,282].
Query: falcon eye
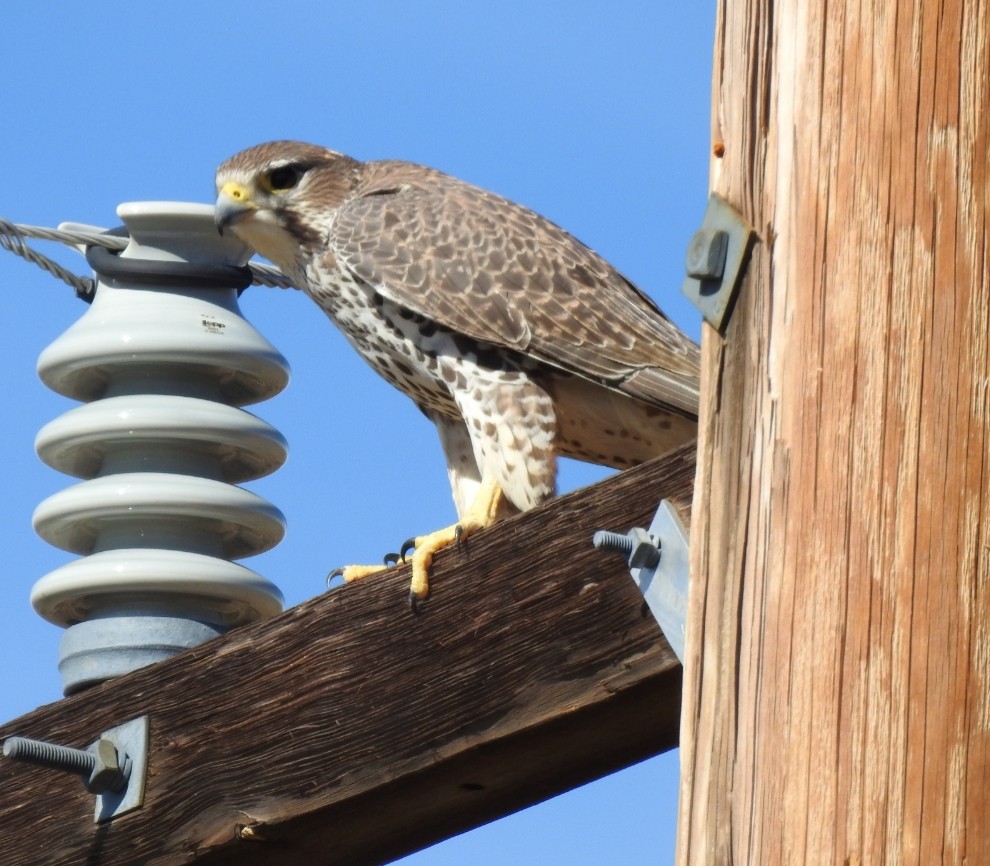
[284,177]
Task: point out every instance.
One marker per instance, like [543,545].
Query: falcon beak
[234,205]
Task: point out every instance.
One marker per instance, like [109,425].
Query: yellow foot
[482,512]
[350,573]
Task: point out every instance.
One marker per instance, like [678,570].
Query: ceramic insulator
[163,365]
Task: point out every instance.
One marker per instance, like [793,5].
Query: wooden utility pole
[837,681]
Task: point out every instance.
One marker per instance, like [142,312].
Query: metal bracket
[659,564]
[715,260]
[131,739]
[114,767]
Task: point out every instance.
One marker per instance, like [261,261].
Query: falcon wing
[496,272]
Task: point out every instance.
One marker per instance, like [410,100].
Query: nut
[644,553]
[706,254]
[107,775]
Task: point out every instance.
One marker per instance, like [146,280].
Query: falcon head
[280,197]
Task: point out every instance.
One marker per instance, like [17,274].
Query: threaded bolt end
[612,541]
[49,755]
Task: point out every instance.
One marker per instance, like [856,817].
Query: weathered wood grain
[348,731]
[837,678]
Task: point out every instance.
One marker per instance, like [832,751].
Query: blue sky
[594,114]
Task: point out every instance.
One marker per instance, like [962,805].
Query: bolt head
[706,254]
[644,553]
[107,775]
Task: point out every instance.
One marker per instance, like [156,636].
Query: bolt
[706,254]
[638,545]
[99,766]
[49,755]
[612,541]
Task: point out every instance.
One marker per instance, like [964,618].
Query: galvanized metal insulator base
[163,361]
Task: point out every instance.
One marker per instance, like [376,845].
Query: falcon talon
[407,545]
[391,559]
[337,572]
[415,602]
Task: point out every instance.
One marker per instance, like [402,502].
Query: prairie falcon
[515,339]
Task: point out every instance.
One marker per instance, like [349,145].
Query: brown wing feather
[499,273]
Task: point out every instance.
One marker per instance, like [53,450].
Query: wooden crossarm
[348,731]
